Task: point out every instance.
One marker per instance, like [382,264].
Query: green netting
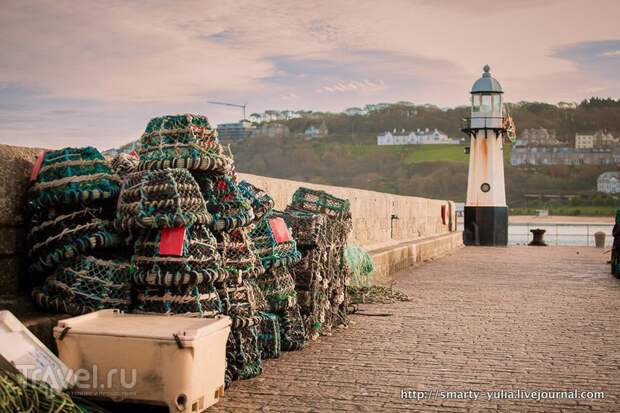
[271,252]
[185,300]
[72,176]
[67,236]
[292,330]
[86,284]
[278,287]
[18,394]
[361,265]
[320,202]
[124,164]
[199,262]
[182,141]
[269,336]
[243,358]
[261,201]
[225,202]
[161,199]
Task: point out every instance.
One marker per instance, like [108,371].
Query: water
[558,234]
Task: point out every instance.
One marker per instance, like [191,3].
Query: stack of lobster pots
[190,222]
[321,224]
[71,240]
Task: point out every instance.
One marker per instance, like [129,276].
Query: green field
[434,153]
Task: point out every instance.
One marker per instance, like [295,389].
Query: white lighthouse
[486,213]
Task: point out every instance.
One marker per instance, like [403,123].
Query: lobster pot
[320,202]
[196,260]
[243,355]
[292,329]
[187,356]
[186,300]
[269,340]
[262,202]
[64,237]
[225,202]
[182,141]
[278,288]
[158,199]
[239,255]
[86,284]
[71,177]
[123,164]
[307,228]
[273,243]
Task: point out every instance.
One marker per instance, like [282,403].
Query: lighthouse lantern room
[486,213]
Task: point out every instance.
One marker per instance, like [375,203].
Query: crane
[231,104]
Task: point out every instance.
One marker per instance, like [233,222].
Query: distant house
[419,137]
[608,182]
[562,155]
[567,105]
[355,111]
[599,139]
[538,137]
[235,131]
[272,130]
[316,132]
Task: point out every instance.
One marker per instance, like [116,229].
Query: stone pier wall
[379,220]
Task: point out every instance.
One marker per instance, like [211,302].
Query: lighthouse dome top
[487,83]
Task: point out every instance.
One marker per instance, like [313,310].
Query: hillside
[436,171]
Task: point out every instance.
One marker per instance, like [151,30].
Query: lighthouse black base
[486,226]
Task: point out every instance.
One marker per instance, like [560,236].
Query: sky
[75,73]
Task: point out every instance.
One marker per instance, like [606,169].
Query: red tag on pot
[279,230]
[37,166]
[171,241]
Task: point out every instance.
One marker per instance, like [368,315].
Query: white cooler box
[151,359]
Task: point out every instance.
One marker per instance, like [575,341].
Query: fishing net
[124,164]
[278,287]
[243,356]
[71,176]
[261,201]
[18,394]
[269,336]
[375,294]
[182,141]
[292,330]
[184,300]
[225,202]
[240,260]
[68,235]
[320,202]
[361,265]
[273,243]
[198,262]
[161,199]
[86,284]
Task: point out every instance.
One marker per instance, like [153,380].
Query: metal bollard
[538,235]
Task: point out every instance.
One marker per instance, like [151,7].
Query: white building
[419,137]
[608,182]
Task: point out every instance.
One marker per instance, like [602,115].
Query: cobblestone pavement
[485,319]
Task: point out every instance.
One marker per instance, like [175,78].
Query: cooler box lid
[26,354]
[158,327]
